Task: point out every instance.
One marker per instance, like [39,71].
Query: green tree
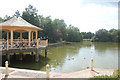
[102,35]
[55,30]
[30,15]
[59,29]
[87,35]
[113,35]
[73,34]
[48,29]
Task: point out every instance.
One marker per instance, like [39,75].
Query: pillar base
[20,56]
[45,53]
[8,58]
[37,56]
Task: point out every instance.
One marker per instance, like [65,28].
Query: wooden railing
[22,44]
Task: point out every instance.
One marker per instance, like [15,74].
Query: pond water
[74,57]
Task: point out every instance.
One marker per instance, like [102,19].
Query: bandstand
[11,45]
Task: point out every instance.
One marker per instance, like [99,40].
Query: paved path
[23,73]
[85,73]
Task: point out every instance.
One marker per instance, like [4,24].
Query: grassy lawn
[112,77]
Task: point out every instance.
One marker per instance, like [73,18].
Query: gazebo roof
[18,23]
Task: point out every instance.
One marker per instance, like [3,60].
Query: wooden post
[32,54]
[6,68]
[36,35]
[20,36]
[32,35]
[8,57]
[29,37]
[37,56]
[47,42]
[37,44]
[45,53]
[7,35]
[47,71]
[20,56]
[7,44]
[7,40]
[11,38]
[91,64]
[3,42]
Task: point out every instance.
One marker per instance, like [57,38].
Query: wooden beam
[11,38]
[20,36]
[29,37]
[7,44]
[8,57]
[91,64]
[7,40]
[47,71]
[36,35]
[6,68]
[7,35]
[47,42]
[32,35]
[20,56]
[37,56]
[45,53]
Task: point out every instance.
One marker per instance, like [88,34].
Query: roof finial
[17,14]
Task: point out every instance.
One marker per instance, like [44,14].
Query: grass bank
[106,77]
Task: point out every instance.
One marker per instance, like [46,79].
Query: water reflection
[76,57]
[102,47]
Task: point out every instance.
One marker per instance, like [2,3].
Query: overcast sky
[87,15]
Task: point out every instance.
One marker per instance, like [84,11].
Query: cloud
[86,15]
[98,17]
[101,0]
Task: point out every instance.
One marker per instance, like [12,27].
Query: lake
[74,57]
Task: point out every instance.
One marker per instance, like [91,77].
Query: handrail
[17,44]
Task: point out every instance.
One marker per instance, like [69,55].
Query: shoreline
[24,73]
[58,44]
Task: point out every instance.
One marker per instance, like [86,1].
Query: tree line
[57,30]
[87,35]
[103,35]
[54,30]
